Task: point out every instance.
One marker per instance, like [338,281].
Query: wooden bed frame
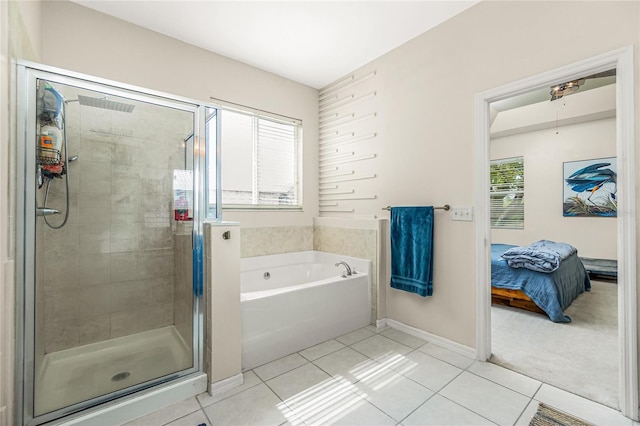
[514,298]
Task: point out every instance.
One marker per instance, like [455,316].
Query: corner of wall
[25,28]
[20,29]
[384,266]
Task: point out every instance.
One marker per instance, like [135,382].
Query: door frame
[622,61]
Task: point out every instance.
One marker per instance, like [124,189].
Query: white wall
[79,39]
[544,152]
[426,136]
[348,161]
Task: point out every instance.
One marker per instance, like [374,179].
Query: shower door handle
[44,211]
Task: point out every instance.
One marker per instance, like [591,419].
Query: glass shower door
[111,244]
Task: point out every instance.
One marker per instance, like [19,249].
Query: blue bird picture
[590,188]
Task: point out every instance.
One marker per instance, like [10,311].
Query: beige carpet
[580,357]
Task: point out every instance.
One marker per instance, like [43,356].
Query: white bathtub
[305,301]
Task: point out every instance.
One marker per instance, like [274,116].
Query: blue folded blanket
[541,256]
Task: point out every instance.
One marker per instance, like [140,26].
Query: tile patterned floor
[379,377]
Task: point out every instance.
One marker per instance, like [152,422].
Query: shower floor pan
[78,374]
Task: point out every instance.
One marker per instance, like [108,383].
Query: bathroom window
[260,161]
[507,193]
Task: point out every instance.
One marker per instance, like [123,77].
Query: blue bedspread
[552,292]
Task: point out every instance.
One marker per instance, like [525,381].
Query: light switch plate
[462,213]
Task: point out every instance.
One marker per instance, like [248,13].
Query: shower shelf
[47,156]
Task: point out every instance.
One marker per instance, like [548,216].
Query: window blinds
[276,170]
[260,165]
[507,193]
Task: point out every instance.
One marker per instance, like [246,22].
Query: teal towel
[412,249]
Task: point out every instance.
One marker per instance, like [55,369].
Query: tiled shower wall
[109,272]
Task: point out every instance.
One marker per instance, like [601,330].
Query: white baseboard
[381,323]
[440,341]
[226,384]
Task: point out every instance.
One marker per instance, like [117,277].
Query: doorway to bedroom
[560,158]
[553,179]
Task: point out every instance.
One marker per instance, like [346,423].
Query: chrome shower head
[72,158]
[104,103]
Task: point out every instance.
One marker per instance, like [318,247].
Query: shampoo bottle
[51,142]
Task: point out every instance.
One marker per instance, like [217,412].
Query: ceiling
[311,42]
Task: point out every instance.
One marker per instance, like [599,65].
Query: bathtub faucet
[347,273]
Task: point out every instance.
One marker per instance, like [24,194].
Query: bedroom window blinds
[507,193]
[260,161]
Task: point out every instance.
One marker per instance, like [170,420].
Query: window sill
[262,208]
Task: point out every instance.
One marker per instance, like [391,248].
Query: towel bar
[446,207]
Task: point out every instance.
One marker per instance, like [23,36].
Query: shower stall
[113,186]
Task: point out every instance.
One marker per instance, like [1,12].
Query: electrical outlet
[462,213]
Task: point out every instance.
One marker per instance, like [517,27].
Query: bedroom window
[507,193]
[260,161]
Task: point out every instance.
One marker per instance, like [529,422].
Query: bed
[549,293]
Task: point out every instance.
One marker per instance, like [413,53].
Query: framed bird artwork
[590,188]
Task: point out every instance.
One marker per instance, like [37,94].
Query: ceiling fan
[569,87]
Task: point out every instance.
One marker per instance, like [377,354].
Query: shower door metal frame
[27,75]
